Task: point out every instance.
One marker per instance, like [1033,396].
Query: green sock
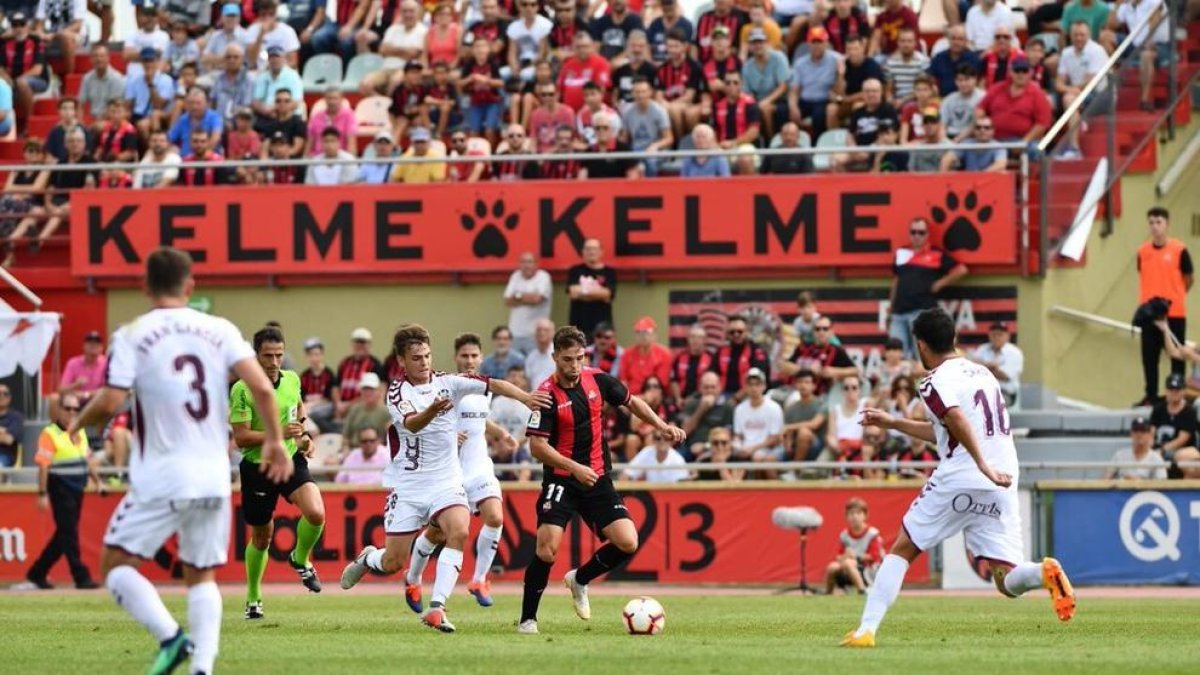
[307,535]
[256,564]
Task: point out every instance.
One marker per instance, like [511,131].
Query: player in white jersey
[974,488]
[176,362]
[476,432]
[425,475]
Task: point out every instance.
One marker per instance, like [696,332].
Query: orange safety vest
[1161,277]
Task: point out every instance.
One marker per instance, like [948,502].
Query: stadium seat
[359,67]
[372,114]
[479,146]
[322,71]
[329,446]
[699,10]
[833,138]
[39,126]
[392,63]
[71,84]
[942,44]
[45,106]
[12,150]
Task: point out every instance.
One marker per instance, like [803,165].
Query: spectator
[332,174]
[1043,66]
[847,19]
[1154,47]
[203,176]
[894,367]
[844,435]
[705,411]
[12,429]
[1142,452]
[853,73]
[659,462]
[1174,419]
[22,56]
[522,106]
[101,84]
[181,50]
[814,78]
[646,124]
[443,37]
[83,375]
[824,359]
[358,21]
[284,120]
[680,85]
[1095,14]
[946,66]
[353,370]
[504,168]
[991,160]
[737,357]
[928,161]
[1079,63]
[637,65]
[24,194]
[888,161]
[765,76]
[62,183]
[185,81]
[441,103]
[584,67]
[1004,359]
[723,14]
[984,20]
[920,272]
[860,551]
[905,65]
[117,140]
[148,35]
[279,148]
[1164,271]
[68,121]
[367,411]
[737,117]
[705,166]
[60,24]
[958,108]
[529,297]
[502,357]
[567,26]
[378,173]
[594,107]
[408,106]
[539,359]
[865,125]
[546,119]
[913,112]
[758,424]
[722,59]
[890,25]
[277,77]
[563,169]
[604,352]
[317,385]
[998,60]
[757,17]
[403,39]
[269,33]
[512,416]
[160,166]
[1018,108]
[804,325]
[787,164]
[364,464]
[426,172]
[527,43]
[337,115]
[466,172]
[690,364]
[229,34]
[646,358]
[492,27]
[232,87]
[804,415]
[671,19]
[719,450]
[592,287]
[612,30]
[199,118]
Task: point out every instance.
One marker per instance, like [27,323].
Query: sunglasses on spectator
[368,440]
[70,408]
[737,332]
[983,127]
[602,126]
[459,139]
[1003,36]
[1022,71]
[822,329]
[547,94]
[659,437]
[918,233]
[718,442]
[850,387]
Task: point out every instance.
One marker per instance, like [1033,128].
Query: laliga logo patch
[1142,527]
[536,418]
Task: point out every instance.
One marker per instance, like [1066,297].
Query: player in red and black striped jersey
[569,440]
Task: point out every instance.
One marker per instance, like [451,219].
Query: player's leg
[832,570]
[402,521]
[307,497]
[455,522]
[423,547]
[883,592]
[203,545]
[259,496]
[537,575]
[853,575]
[621,542]
[491,511]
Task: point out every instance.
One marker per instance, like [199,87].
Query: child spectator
[408,101]
[958,109]
[481,83]
[117,141]
[182,49]
[924,97]
[243,142]
[859,553]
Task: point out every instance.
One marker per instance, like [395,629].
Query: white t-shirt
[981,26]
[157,38]
[1011,361]
[332,174]
[157,170]
[428,458]
[528,38]
[645,465]
[473,411]
[1079,67]
[282,36]
[755,425]
[1154,466]
[399,37]
[960,383]
[521,319]
[1131,15]
[177,362]
[539,366]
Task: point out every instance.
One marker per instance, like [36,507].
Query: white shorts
[989,520]
[201,525]
[408,511]
[481,489]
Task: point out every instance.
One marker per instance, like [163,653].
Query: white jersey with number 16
[176,361]
[960,383]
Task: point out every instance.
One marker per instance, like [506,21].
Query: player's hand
[275,462]
[462,438]
[877,418]
[43,502]
[539,400]
[674,433]
[1002,479]
[293,430]
[585,475]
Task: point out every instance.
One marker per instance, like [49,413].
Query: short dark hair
[893,343]
[967,70]
[857,504]
[804,299]
[603,327]
[1158,212]
[568,337]
[265,335]
[407,336]
[677,34]
[590,85]
[935,327]
[166,270]
[498,330]
[805,374]
[736,317]
[465,339]
[330,132]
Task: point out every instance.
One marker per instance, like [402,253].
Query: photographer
[1164,273]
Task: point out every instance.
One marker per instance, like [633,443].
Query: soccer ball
[644,616]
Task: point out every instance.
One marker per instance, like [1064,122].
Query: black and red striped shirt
[317,384]
[716,69]
[575,422]
[207,175]
[732,362]
[809,356]
[350,372]
[283,175]
[18,56]
[686,369]
[563,36]
[675,80]
[112,142]
[709,20]
[560,169]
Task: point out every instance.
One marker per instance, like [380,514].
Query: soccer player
[259,497]
[569,440]
[974,488]
[479,480]
[425,475]
[175,361]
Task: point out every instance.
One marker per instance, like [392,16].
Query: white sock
[204,623]
[136,595]
[422,549]
[883,592]
[375,560]
[448,568]
[1023,578]
[485,551]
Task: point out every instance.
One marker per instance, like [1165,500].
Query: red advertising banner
[781,223]
[689,536]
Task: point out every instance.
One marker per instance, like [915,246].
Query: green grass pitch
[339,632]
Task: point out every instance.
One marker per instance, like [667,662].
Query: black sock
[537,575]
[603,561]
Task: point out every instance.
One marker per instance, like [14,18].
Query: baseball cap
[644,323]
[418,134]
[18,18]
[148,54]
[279,137]
[818,34]
[756,374]
[1140,424]
[998,325]
[1175,381]
[383,136]
[313,343]
[94,336]
[361,335]
[886,124]
[274,50]
[1020,64]
[931,114]
[231,9]
[369,381]
[757,35]
[720,30]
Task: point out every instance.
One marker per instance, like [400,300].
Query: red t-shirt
[637,366]
[542,124]
[889,24]
[1013,116]
[575,73]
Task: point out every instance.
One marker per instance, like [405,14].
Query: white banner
[25,338]
[959,569]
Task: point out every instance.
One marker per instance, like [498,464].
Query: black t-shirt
[786,164]
[292,128]
[1167,427]
[609,168]
[73,180]
[586,314]
[572,426]
[612,35]
[856,75]
[809,356]
[894,162]
[624,76]
[864,124]
[915,273]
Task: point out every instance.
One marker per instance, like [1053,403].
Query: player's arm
[918,429]
[535,400]
[543,452]
[414,422]
[99,409]
[304,441]
[645,413]
[275,461]
[960,427]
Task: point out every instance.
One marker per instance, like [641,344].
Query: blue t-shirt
[6,106]
[181,132]
[979,159]
[137,91]
[712,167]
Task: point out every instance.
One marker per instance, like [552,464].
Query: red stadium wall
[689,536]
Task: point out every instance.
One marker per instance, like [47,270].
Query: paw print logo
[490,224]
[961,221]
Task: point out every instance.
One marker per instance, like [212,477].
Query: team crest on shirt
[406,408]
[592,394]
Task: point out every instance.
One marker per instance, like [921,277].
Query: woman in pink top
[442,40]
[340,116]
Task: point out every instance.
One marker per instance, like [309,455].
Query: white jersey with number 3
[970,387]
[176,361]
[473,411]
[428,457]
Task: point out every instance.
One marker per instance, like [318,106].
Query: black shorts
[563,498]
[259,494]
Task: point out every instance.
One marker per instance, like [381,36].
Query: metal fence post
[1043,214]
[1110,138]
